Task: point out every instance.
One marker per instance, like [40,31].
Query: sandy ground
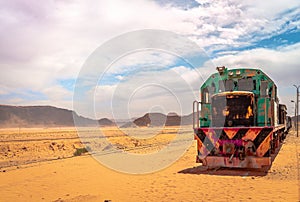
[25,146]
[51,173]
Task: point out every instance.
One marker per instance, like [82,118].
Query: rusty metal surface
[249,162]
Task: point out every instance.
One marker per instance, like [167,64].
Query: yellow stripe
[264,146]
[231,132]
[199,143]
[252,134]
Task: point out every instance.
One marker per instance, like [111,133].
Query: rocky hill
[153,119]
[158,119]
[39,116]
[105,122]
[49,116]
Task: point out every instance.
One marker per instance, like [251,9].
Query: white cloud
[119,77]
[172,90]
[103,93]
[57,93]
[282,65]
[43,42]
[147,59]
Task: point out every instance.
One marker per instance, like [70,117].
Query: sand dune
[84,179]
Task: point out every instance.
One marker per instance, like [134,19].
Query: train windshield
[232,109]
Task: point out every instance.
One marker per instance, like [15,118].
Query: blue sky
[286,38]
[44,45]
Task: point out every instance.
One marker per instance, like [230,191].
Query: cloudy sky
[45,45]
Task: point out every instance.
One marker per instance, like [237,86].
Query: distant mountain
[187,120]
[294,118]
[173,120]
[158,119]
[153,119]
[48,116]
[40,116]
[106,122]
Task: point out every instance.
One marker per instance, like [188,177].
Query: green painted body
[244,81]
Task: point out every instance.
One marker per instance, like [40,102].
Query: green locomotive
[241,121]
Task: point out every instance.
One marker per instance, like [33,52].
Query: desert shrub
[80,151]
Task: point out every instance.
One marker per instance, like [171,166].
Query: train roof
[244,72]
[240,79]
[236,73]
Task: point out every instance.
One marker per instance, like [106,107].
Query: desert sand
[39,165]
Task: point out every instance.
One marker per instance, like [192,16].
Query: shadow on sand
[243,172]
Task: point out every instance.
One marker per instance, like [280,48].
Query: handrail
[266,111]
[196,109]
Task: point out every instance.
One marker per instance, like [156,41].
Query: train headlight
[221,70]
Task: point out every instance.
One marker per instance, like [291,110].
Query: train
[238,121]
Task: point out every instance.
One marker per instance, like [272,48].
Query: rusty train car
[238,121]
